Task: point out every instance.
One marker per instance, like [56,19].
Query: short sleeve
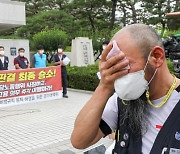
[15,61]
[110,115]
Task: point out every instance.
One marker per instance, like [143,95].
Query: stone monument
[82,52]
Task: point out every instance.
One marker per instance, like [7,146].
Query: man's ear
[157,56]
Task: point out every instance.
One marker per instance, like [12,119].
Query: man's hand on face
[111,69]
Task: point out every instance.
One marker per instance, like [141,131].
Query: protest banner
[30,85]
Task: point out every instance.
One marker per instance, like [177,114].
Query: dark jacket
[6,62]
[168,138]
[56,59]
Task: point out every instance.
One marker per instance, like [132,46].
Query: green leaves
[84,78]
[95,19]
[44,20]
[50,39]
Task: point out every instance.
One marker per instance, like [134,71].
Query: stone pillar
[82,52]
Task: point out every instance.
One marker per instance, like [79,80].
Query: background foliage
[53,22]
[96,19]
[50,39]
[85,78]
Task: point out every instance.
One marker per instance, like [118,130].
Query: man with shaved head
[145,108]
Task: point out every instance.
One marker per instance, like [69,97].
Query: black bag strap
[117,136]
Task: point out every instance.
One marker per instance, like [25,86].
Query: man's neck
[161,84]
[40,54]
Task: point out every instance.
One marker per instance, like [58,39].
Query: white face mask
[41,51]
[21,54]
[2,52]
[60,50]
[104,47]
[132,85]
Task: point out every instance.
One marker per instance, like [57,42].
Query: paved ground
[42,127]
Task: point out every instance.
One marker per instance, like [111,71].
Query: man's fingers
[118,67]
[113,77]
[106,51]
[112,61]
[119,74]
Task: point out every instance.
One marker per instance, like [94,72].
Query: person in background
[104,45]
[4,60]
[99,52]
[59,59]
[39,59]
[21,62]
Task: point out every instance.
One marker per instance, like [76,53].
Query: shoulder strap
[117,136]
[178,89]
[18,58]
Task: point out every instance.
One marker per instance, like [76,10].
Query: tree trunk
[91,22]
[114,5]
[177,7]
[124,16]
[134,15]
[163,28]
[168,6]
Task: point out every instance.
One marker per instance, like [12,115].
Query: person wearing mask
[145,108]
[61,59]
[104,45]
[21,62]
[39,59]
[4,60]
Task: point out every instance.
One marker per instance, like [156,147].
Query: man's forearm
[28,66]
[56,63]
[87,123]
[17,66]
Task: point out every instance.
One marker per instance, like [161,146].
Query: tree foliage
[96,19]
[45,20]
[92,14]
[50,39]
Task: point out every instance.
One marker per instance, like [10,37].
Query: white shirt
[60,58]
[155,116]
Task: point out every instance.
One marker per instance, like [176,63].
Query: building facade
[12,15]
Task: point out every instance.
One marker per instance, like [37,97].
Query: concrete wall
[10,43]
[12,14]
